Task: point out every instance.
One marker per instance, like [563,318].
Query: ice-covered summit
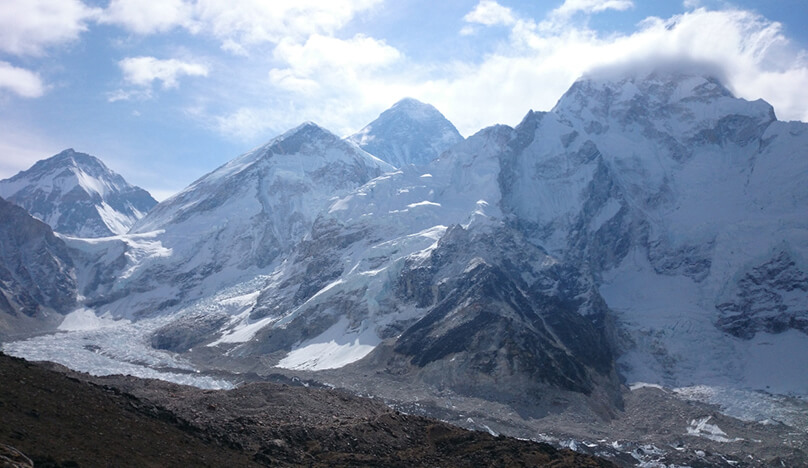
[76,194]
[410,132]
[685,108]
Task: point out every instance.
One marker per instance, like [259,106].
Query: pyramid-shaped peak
[410,132]
[408,101]
[72,155]
[78,195]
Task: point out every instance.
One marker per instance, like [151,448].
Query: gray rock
[37,275]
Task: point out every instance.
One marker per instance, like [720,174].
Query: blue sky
[165,91]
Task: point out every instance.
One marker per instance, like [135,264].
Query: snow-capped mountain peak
[76,194]
[681,104]
[236,221]
[305,152]
[686,201]
[410,132]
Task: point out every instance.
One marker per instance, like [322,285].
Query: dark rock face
[182,335]
[489,319]
[500,311]
[770,298]
[319,261]
[36,271]
[70,190]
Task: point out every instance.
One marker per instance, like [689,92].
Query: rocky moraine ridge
[58,418]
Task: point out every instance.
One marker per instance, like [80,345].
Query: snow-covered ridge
[239,221]
[290,159]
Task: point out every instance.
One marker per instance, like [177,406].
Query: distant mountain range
[651,227]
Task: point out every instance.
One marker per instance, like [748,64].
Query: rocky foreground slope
[60,420]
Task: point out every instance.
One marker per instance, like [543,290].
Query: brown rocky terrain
[57,418]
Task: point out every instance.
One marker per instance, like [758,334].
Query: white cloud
[538,64]
[138,94]
[229,45]
[142,71]
[490,13]
[148,16]
[323,79]
[20,81]
[286,78]
[344,83]
[327,69]
[323,53]
[28,27]
[247,123]
[238,24]
[571,7]
[249,22]
[118,95]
